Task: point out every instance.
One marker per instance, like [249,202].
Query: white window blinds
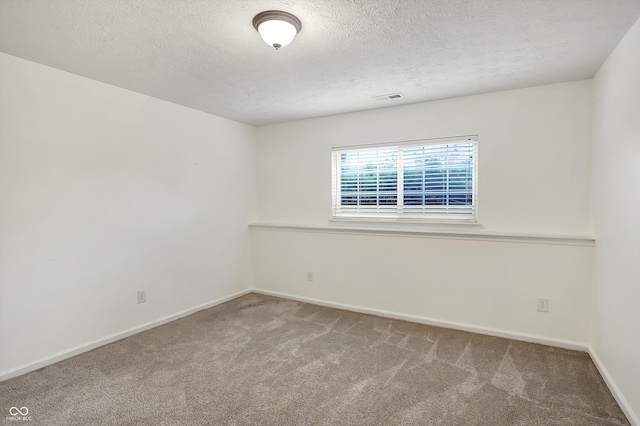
[418,180]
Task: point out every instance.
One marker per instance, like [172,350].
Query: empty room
[320,212]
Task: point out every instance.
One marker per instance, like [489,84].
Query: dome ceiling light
[277,28]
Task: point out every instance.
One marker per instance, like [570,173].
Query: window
[425,180]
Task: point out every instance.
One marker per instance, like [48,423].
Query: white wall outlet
[543,305]
[310,277]
[142,296]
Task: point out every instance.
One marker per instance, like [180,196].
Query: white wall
[484,285]
[105,192]
[534,178]
[616,124]
[534,157]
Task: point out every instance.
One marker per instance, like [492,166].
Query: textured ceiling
[206,55]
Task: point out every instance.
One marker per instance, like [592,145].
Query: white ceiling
[206,55]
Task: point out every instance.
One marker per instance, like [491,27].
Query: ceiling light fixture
[277,28]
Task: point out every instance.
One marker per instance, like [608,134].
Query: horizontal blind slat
[438,180]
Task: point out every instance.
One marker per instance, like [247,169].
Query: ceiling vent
[389,97]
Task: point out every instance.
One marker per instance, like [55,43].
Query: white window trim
[360,213]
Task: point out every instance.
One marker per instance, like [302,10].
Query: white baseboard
[4,375]
[549,341]
[615,391]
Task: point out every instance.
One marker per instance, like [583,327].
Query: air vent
[389,97]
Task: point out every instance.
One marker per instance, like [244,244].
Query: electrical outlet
[310,277]
[142,296]
[543,305]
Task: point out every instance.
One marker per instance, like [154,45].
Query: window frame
[467,214]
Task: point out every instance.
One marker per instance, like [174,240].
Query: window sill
[441,233]
[413,223]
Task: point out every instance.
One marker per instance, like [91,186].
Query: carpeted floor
[268,361]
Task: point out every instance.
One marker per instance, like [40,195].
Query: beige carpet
[268,361]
